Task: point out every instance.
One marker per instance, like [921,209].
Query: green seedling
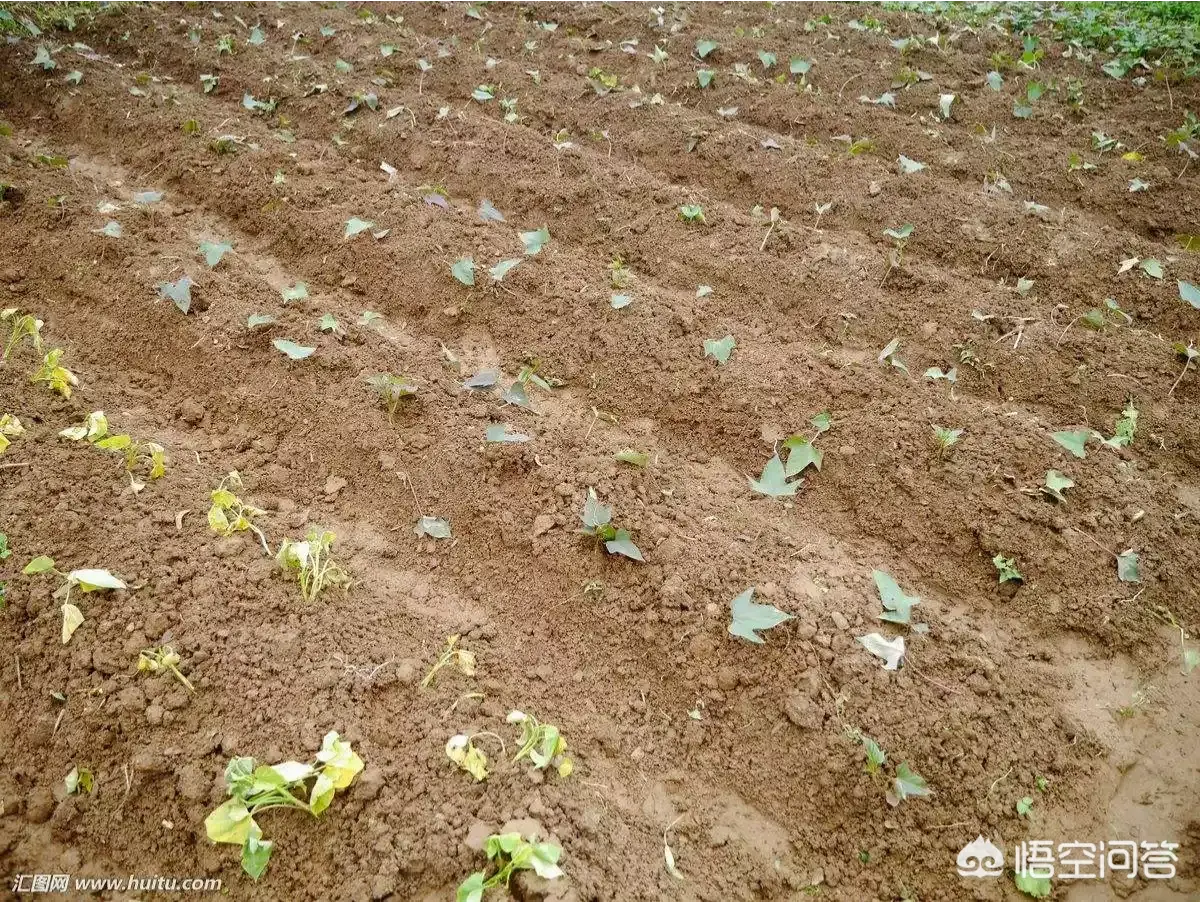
[945,439]
[88,580]
[310,563]
[1188,354]
[899,236]
[392,390]
[461,658]
[164,659]
[691,213]
[905,784]
[1006,568]
[1056,483]
[602,82]
[10,428]
[542,743]
[1024,806]
[229,514]
[1125,429]
[58,378]
[509,853]
[23,326]
[889,354]
[80,779]
[597,523]
[255,788]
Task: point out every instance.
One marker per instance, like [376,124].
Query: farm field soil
[1066,689]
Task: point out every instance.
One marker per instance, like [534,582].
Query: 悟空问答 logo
[980,858]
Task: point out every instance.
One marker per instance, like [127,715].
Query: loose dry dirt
[766,791]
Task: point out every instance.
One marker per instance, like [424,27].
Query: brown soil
[765,790]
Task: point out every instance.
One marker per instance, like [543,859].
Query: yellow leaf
[1132,156]
[72,620]
[231,823]
[217,520]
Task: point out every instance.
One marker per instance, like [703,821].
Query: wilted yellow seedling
[9,426]
[94,429]
[22,326]
[162,660]
[541,743]
[451,654]
[59,378]
[229,514]
[461,750]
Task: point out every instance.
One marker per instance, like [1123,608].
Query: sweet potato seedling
[229,514]
[392,390]
[465,754]
[597,523]
[255,788]
[24,325]
[945,439]
[311,564]
[87,580]
[509,853]
[1006,569]
[452,654]
[10,428]
[94,430]
[165,659]
[542,743]
[58,378]
[80,779]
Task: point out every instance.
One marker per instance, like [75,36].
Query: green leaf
[897,606]
[355,226]
[900,233]
[1056,484]
[620,301]
[534,241]
[704,77]
[909,783]
[995,81]
[876,757]
[633,458]
[292,350]
[471,889]
[483,93]
[297,292]
[907,166]
[145,198]
[1037,887]
[1190,293]
[112,229]
[1152,268]
[767,59]
[1127,567]
[39,564]
[487,212]
[179,292]
[821,422]
[256,37]
[1024,806]
[1006,569]
[433,528]
[1074,442]
[254,320]
[704,48]
[328,323]
[256,852]
[543,858]
[750,616]
[799,66]
[213,251]
[719,349]
[595,515]
[773,481]
[463,269]
[1022,111]
[42,58]
[503,268]
[369,317]
[1034,91]
[622,543]
[74,77]
[499,433]
[801,453]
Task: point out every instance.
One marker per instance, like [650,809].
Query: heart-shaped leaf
[293,350]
